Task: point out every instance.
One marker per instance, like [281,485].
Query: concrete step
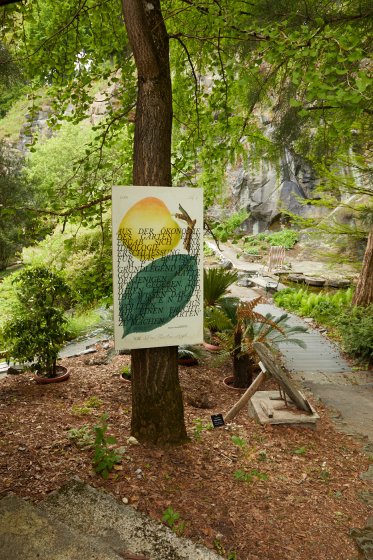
[95,513]
[26,533]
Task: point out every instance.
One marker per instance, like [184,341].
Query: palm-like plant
[216,282]
[238,326]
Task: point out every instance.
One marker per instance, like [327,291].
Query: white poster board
[157,266]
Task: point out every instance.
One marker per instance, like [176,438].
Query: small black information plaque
[217,420]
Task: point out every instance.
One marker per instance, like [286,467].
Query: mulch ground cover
[247,491]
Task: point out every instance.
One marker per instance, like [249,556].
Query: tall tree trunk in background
[364,289]
[157,405]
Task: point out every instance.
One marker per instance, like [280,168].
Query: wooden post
[245,397]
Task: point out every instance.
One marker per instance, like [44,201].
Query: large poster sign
[157,266]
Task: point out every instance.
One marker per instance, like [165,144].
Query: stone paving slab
[346,398]
[26,533]
[94,512]
[78,522]
[76,348]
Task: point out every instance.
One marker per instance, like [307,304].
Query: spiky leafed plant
[239,326]
[216,282]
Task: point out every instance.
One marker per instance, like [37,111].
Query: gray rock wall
[266,188]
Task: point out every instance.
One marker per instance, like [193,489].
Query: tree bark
[364,290]
[242,364]
[157,405]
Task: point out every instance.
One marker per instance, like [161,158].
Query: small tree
[239,326]
[37,330]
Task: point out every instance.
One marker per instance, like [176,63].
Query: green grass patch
[263,241]
[81,323]
[15,118]
[11,124]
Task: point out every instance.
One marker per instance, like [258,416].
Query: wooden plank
[267,409]
[281,377]
[245,397]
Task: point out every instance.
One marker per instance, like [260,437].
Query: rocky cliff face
[263,189]
[268,188]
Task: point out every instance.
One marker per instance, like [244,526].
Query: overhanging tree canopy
[305,63]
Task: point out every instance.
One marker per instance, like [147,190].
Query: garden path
[304,266]
[321,368]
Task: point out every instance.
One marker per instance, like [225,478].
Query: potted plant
[188,355]
[37,330]
[216,283]
[239,326]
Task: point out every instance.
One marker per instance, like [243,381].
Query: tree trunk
[241,372]
[242,364]
[364,289]
[157,405]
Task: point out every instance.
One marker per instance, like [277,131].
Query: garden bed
[267,492]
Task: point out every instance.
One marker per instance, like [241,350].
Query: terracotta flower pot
[123,377]
[211,347]
[188,361]
[62,375]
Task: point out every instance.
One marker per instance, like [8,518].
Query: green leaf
[158,293]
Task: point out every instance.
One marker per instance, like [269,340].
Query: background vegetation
[300,70]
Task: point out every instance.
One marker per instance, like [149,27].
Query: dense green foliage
[353,326]
[306,63]
[68,182]
[10,80]
[227,228]
[322,306]
[85,257]
[256,244]
[37,330]
[17,225]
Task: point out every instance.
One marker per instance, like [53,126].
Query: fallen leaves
[294,514]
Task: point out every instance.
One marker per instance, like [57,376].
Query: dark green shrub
[286,238]
[226,229]
[37,330]
[356,330]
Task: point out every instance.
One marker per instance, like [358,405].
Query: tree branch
[66,213]
[195,80]
[58,32]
